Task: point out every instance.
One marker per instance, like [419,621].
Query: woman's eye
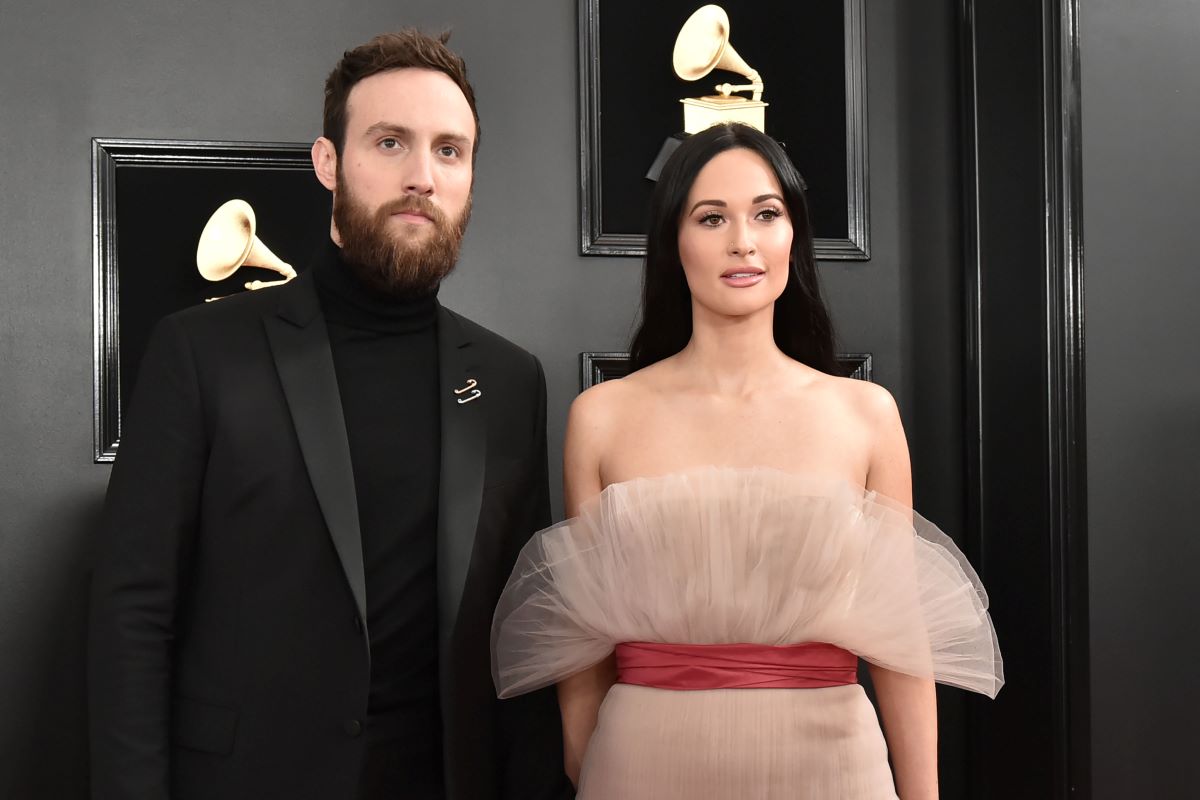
[770,214]
[711,220]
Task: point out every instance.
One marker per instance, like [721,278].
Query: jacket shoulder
[493,344]
[228,310]
[241,313]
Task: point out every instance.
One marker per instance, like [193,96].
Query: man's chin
[410,249]
[406,234]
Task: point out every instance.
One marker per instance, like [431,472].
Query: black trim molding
[1025,415]
[1067,413]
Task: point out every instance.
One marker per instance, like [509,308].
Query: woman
[740,531]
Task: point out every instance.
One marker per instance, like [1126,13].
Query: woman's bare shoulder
[613,401]
[869,402]
[869,398]
[599,418]
[606,399]
[876,414]
[598,400]
[632,387]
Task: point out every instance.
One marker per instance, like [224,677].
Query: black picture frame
[597,367]
[150,200]
[641,109]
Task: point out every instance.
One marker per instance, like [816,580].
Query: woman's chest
[664,438]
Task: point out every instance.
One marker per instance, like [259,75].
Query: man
[320,491]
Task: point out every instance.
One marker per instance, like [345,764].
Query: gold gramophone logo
[229,242]
[702,46]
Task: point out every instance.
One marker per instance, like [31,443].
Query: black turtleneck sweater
[386,360]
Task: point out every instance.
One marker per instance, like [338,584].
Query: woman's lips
[740,278]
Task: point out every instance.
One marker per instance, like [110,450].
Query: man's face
[402,186]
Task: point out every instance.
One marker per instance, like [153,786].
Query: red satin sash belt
[810,665]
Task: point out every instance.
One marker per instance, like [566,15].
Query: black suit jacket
[228,653]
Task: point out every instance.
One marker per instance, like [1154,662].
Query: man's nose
[418,174]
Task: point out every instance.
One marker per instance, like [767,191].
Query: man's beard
[391,262]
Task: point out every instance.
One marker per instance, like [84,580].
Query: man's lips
[412,217]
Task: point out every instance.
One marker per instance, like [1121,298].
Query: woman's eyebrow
[720,203]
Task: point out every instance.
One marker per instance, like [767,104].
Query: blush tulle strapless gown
[742,555]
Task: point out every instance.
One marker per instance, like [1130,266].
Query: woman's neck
[734,356]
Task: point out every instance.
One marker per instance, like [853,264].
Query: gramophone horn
[228,243]
[703,45]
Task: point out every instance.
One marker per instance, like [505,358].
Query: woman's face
[735,237]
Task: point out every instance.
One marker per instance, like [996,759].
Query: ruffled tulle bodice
[744,555]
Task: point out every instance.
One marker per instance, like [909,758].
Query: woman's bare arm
[908,704]
[580,695]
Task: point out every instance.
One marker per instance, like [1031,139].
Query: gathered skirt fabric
[766,744]
[723,555]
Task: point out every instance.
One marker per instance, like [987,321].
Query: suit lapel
[300,345]
[464,444]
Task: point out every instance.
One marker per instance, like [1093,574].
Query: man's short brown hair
[404,48]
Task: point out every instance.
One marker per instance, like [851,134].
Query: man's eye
[389,143]
[448,151]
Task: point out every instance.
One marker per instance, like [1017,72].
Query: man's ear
[324,158]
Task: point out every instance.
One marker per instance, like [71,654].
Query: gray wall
[253,71]
[1141,119]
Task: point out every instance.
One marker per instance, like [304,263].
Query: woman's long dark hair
[802,326]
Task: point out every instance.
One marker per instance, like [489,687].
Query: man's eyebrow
[387,127]
[402,130]
[460,139]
